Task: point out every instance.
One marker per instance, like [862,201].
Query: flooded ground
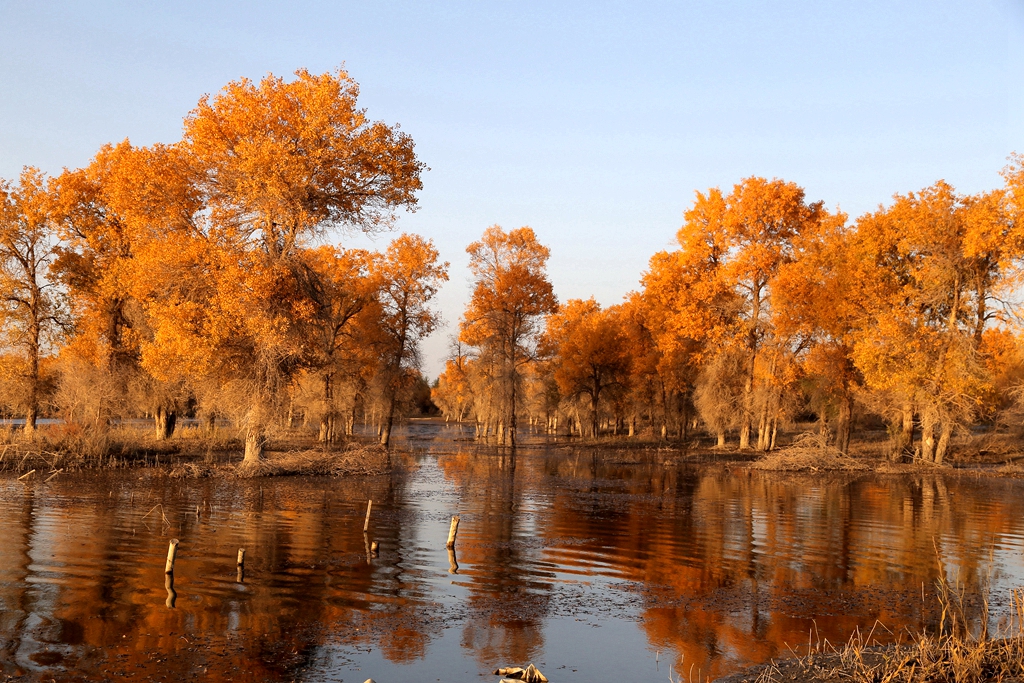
[596,567]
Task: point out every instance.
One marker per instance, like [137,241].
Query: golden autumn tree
[819,295]
[346,289]
[934,259]
[644,386]
[32,313]
[95,258]
[511,295]
[127,201]
[409,274]
[672,284]
[452,393]
[588,353]
[716,290]
[284,162]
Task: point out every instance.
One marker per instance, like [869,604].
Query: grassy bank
[954,653]
[190,453]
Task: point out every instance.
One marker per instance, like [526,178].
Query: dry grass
[809,453]
[1011,469]
[353,460]
[194,453]
[191,470]
[954,653]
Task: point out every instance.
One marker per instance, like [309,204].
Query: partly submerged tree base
[356,459]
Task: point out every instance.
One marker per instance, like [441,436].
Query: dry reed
[954,653]
[353,460]
[809,452]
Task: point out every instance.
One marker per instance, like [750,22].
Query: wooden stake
[172,550]
[452,532]
[374,548]
[53,475]
[366,524]
[241,557]
[27,474]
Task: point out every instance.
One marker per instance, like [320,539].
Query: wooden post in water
[366,523]
[172,550]
[375,548]
[26,475]
[241,566]
[453,530]
[453,563]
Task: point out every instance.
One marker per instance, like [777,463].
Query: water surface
[595,566]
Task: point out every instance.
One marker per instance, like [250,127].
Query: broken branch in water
[158,505]
[530,674]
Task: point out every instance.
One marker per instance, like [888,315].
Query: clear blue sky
[593,123]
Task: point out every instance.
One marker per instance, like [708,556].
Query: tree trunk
[748,398]
[945,432]
[903,441]
[745,431]
[762,429]
[844,425]
[31,415]
[166,420]
[327,412]
[388,423]
[928,435]
[255,445]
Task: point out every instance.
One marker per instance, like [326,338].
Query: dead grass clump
[1011,469]
[954,653]
[354,460]
[809,453]
[191,470]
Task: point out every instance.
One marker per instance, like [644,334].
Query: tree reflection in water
[722,568]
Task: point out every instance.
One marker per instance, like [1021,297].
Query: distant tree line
[771,307]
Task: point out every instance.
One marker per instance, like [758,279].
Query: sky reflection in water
[614,567]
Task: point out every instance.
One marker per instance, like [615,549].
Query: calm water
[613,568]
